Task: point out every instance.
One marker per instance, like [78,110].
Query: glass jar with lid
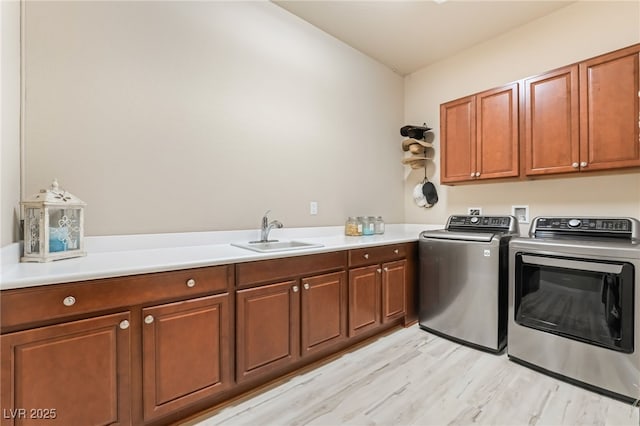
[368,225]
[351,227]
[379,225]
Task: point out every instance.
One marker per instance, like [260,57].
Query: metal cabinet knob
[69,301]
[191,282]
[306,286]
[472,174]
[124,324]
[396,251]
[295,289]
[575,165]
[583,164]
[386,269]
[379,270]
[477,174]
[366,255]
[148,319]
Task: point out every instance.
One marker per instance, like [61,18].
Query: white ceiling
[409,35]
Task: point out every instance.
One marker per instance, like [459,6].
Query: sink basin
[273,246]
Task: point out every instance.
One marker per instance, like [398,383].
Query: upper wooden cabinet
[551,125]
[584,117]
[577,118]
[479,136]
[610,110]
[458,136]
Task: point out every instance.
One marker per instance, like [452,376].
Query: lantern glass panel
[64,229]
[32,231]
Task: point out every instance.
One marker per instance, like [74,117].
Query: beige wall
[171,116]
[9,120]
[180,116]
[574,33]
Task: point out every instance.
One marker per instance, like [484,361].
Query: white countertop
[121,255]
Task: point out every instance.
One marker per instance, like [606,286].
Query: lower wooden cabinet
[186,353]
[279,323]
[394,294]
[76,373]
[377,295]
[364,299]
[323,311]
[154,348]
[267,328]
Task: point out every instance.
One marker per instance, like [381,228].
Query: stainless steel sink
[273,246]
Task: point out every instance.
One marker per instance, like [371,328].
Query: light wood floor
[411,377]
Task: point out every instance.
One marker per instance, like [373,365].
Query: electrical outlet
[475,211]
[313,208]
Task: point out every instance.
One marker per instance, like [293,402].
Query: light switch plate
[313,208]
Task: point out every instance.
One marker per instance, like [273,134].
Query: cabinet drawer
[371,255]
[264,271]
[43,304]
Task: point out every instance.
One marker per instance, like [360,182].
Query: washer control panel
[481,222]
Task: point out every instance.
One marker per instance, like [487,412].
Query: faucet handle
[265,219]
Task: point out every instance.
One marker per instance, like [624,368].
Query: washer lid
[443,234]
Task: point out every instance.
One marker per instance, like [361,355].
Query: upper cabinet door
[497,133]
[551,134]
[610,109]
[458,136]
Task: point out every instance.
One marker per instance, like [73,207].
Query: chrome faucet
[267,227]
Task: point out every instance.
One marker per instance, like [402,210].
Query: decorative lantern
[53,225]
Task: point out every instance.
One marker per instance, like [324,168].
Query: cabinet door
[497,133]
[186,353]
[364,299]
[323,311]
[267,328]
[610,110]
[551,137]
[458,140]
[394,278]
[76,373]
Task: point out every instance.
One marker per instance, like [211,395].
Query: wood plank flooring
[411,377]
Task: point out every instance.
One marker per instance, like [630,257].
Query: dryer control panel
[592,227]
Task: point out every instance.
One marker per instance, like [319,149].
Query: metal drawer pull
[386,269]
[191,282]
[69,301]
[379,270]
[366,255]
[306,286]
[396,251]
[295,289]
[124,324]
[148,319]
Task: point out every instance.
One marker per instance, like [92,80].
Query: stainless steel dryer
[463,280]
[573,302]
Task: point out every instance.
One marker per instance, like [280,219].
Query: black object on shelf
[414,132]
